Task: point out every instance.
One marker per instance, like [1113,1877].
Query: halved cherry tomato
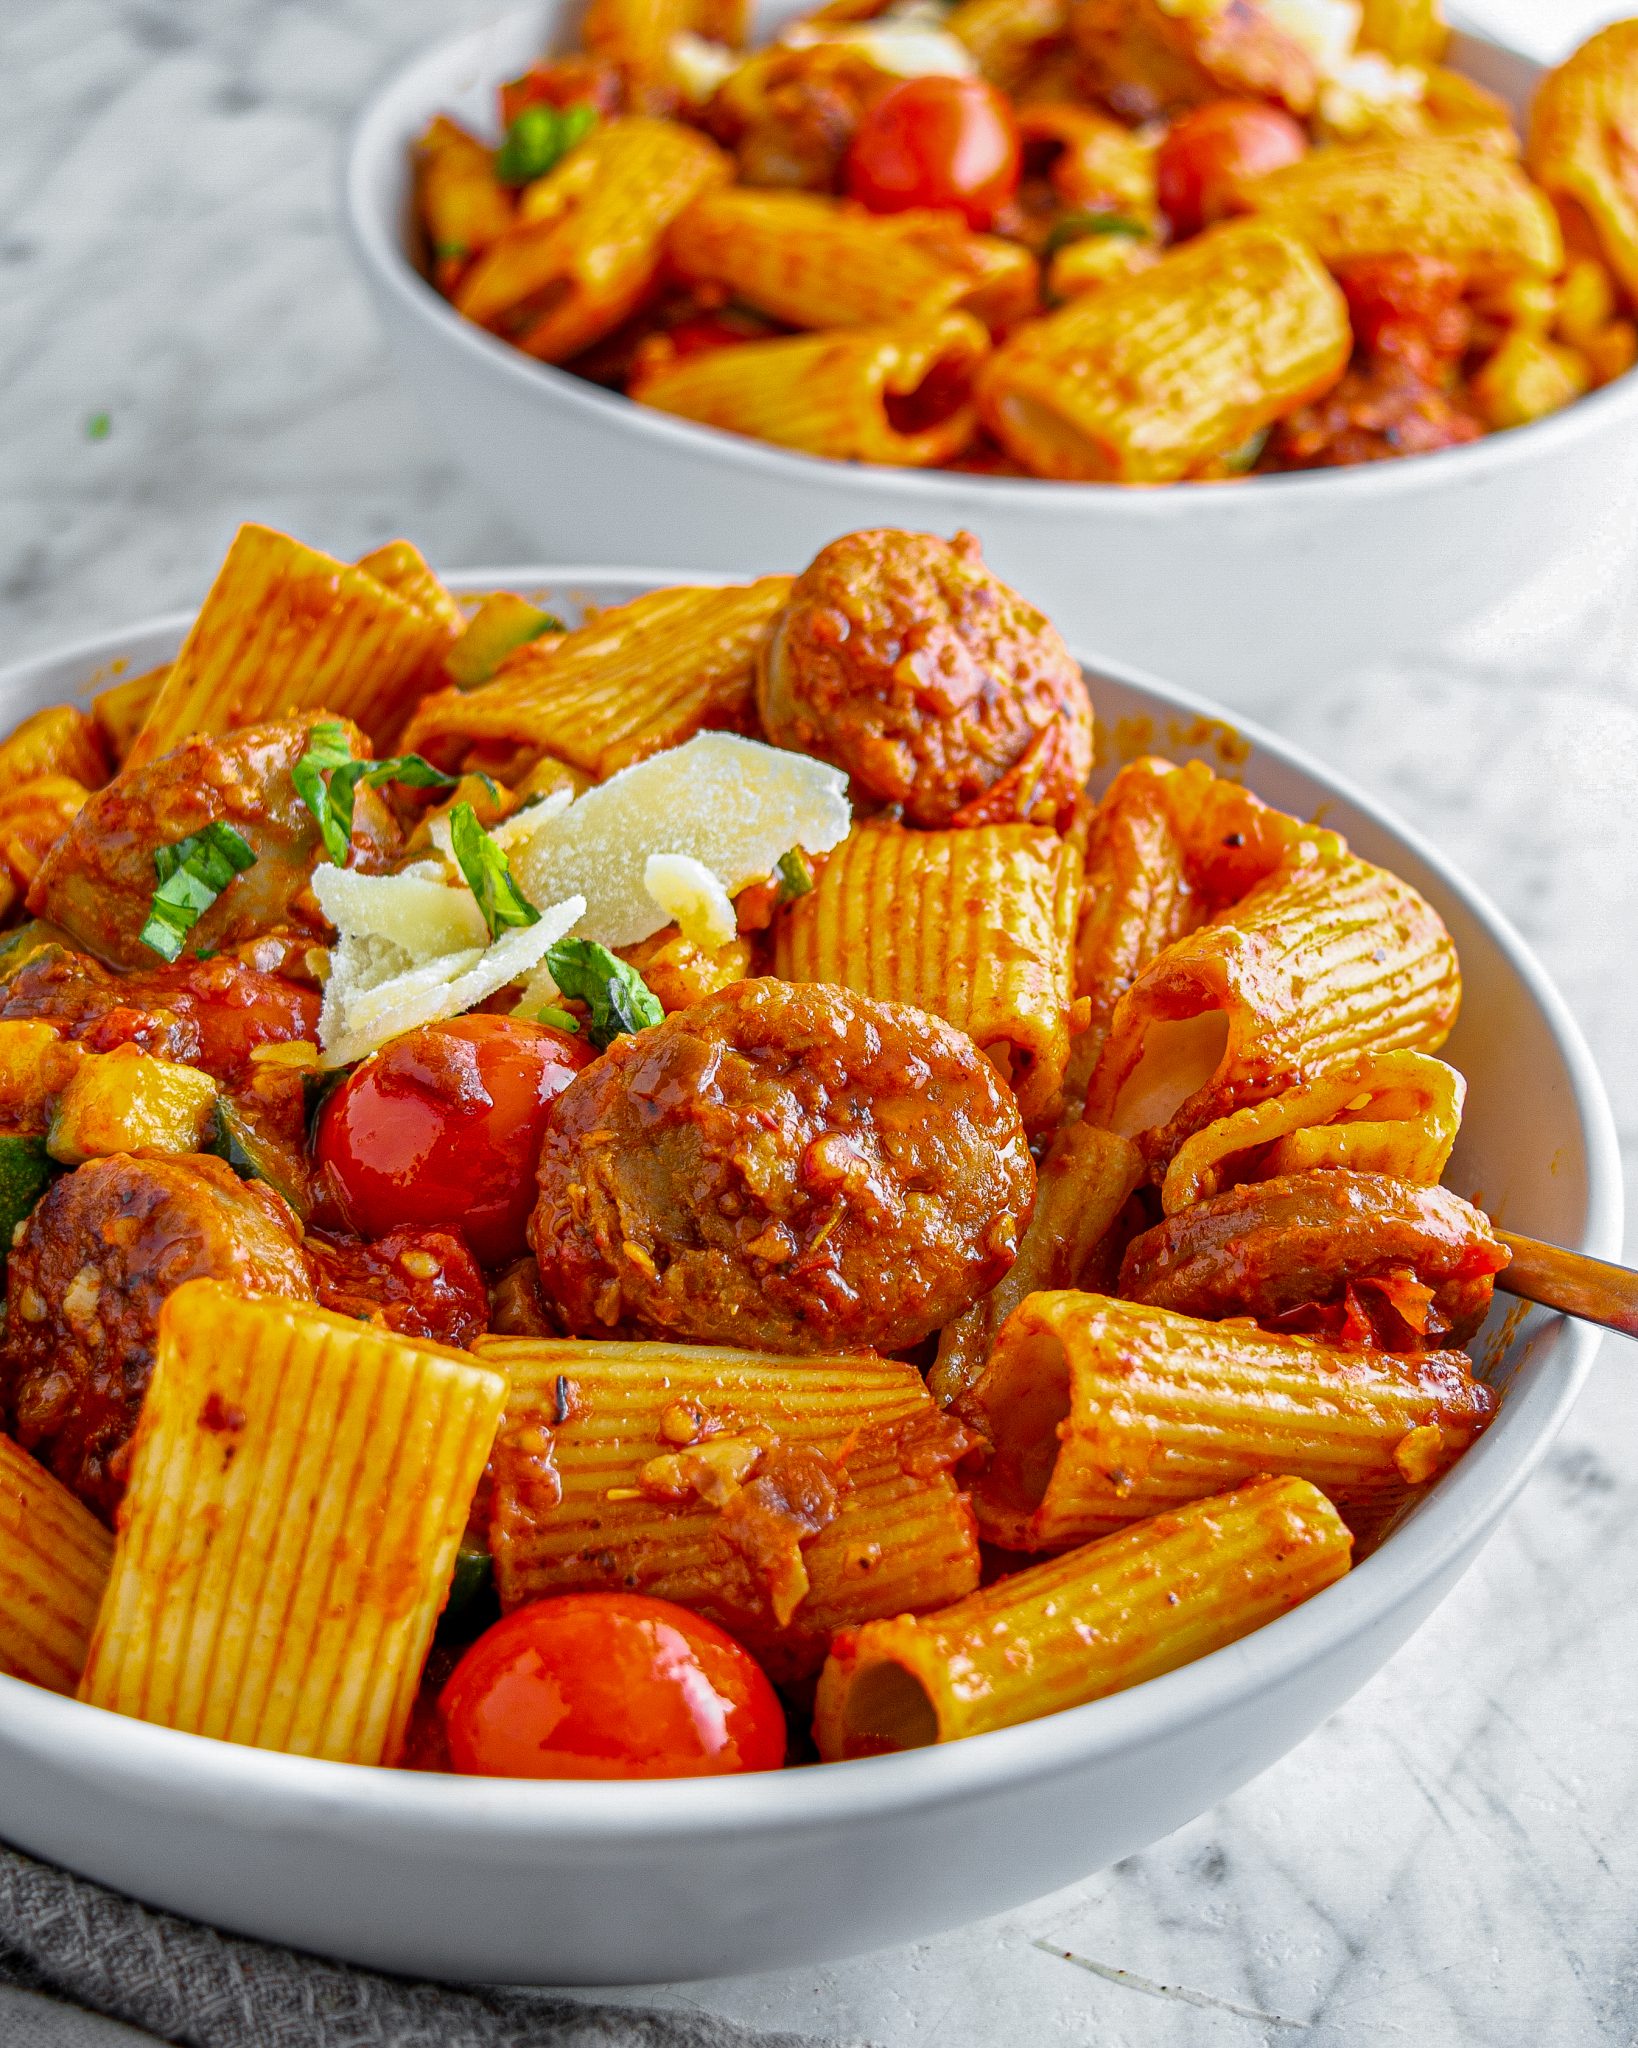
[1209,154]
[937,142]
[610,1685]
[442,1128]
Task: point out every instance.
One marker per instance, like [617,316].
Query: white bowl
[1233,588]
[602,1883]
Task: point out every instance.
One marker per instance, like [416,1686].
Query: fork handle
[1592,1289]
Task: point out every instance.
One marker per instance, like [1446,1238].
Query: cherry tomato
[443,1129]
[610,1685]
[937,142]
[1208,155]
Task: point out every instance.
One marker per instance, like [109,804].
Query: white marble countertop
[1451,1860]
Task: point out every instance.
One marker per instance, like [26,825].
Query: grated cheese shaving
[733,805]
[412,948]
[691,896]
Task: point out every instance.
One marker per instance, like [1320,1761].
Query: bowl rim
[378,133]
[1439,1540]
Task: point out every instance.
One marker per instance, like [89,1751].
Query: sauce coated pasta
[671,1194]
[1098,241]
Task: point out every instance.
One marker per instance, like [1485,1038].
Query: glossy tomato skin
[1209,154]
[442,1129]
[610,1685]
[946,142]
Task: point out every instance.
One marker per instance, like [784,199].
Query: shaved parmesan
[1326,29]
[412,948]
[732,805]
[692,897]
[698,66]
[904,48]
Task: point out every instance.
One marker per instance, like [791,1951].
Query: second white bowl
[1235,588]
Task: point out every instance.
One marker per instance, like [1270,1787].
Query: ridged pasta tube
[818,262]
[1084,1182]
[286,629]
[464,207]
[631,682]
[901,395]
[1103,1411]
[1170,846]
[54,1559]
[299,1486]
[1415,196]
[976,925]
[1327,959]
[1081,1626]
[1395,1113]
[590,238]
[1584,139]
[1143,381]
[783,1497]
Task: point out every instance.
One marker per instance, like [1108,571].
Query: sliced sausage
[98,881]
[1275,1249]
[93,1264]
[786,1167]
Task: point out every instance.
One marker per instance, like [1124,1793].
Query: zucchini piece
[473,1604]
[21,945]
[255,1154]
[500,624]
[26,1171]
[130,1101]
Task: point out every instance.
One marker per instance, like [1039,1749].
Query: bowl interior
[1537,1148]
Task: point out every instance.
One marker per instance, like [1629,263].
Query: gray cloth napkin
[94,1952]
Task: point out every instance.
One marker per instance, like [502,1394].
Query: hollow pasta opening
[944,388]
[887,1710]
[1179,1056]
[1055,447]
[1024,1395]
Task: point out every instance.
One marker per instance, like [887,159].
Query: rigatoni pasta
[783,1499]
[54,1560]
[1395,1113]
[589,237]
[1085,1181]
[1087,1624]
[1429,196]
[976,925]
[288,629]
[817,262]
[1144,381]
[1102,1412]
[1327,959]
[900,394]
[633,680]
[299,1484]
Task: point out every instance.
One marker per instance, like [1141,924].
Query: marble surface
[1451,1860]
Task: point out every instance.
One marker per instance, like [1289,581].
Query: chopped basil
[560,1020]
[330,752]
[795,876]
[539,139]
[192,874]
[488,874]
[616,995]
[1076,227]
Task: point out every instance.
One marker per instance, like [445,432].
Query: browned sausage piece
[95,1260]
[213,1014]
[900,658]
[98,880]
[786,1167]
[1275,1248]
